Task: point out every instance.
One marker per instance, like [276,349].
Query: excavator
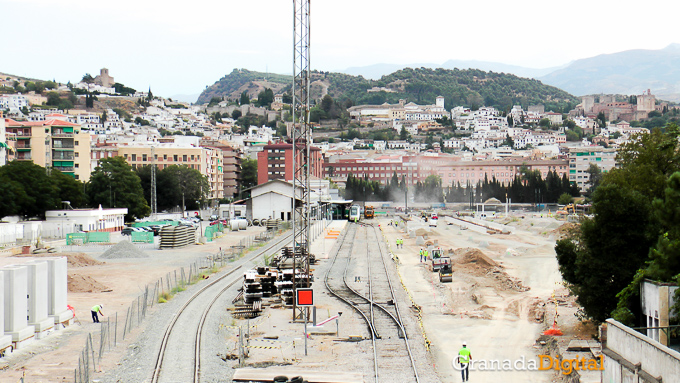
[566,210]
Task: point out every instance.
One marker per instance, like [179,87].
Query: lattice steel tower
[154,198]
[301,139]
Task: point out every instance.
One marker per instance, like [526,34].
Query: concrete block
[57,290]
[420,240]
[16,305]
[411,233]
[5,340]
[37,298]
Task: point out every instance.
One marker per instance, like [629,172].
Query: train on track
[354,213]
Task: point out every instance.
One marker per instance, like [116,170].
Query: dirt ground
[498,303]
[498,298]
[114,283]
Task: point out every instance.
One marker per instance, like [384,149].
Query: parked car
[129,230]
[155,229]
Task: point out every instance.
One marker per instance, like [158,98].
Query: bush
[565,199]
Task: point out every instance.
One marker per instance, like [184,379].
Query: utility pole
[154,199]
[301,140]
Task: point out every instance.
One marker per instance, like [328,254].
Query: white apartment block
[580,159]
[13,101]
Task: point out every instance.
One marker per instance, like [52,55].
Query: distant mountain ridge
[627,72]
[376,71]
[470,87]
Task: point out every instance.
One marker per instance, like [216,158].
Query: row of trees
[635,231]
[528,187]
[28,190]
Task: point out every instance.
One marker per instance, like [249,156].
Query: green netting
[146,237]
[149,223]
[76,239]
[212,231]
[98,236]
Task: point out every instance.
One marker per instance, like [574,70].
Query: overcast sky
[179,47]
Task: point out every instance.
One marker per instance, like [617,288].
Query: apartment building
[580,159]
[52,143]
[231,165]
[504,170]
[3,142]
[450,169]
[275,162]
[208,161]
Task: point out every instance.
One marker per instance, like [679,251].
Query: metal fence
[114,329]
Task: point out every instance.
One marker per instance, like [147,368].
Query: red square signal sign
[304,297]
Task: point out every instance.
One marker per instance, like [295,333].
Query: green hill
[470,87]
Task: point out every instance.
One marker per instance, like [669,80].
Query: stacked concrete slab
[5,340]
[16,305]
[57,290]
[37,299]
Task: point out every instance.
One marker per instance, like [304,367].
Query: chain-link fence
[116,328]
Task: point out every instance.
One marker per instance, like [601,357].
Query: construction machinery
[369,212]
[446,273]
[566,209]
[439,260]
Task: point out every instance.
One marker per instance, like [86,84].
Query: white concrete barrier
[37,298]
[16,305]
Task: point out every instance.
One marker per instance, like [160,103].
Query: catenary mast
[301,136]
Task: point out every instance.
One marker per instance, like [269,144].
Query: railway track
[186,327]
[373,298]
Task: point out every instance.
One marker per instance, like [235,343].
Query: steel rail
[396,306]
[166,336]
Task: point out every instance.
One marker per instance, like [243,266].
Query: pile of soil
[566,229]
[124,249]
[84,284]
[475,262]
[475,257]
[73,259]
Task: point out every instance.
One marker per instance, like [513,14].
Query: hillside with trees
[470,87]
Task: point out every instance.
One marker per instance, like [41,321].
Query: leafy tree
[68,188]
[509,141]
[87,79]
[403,134]
[244,100]
[565,199]
[248,176]
[595,177]
[646,162]
[327,103]
[265,98]
[31,186]
[114,184]
[236,114]
[544,123]
[214,101]
[53,99]
[185,186]
[123,90]
[602,259]
[13,194]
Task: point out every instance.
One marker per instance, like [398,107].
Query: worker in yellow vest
[97,309]
[421,254]
[464,358]
[425,254]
